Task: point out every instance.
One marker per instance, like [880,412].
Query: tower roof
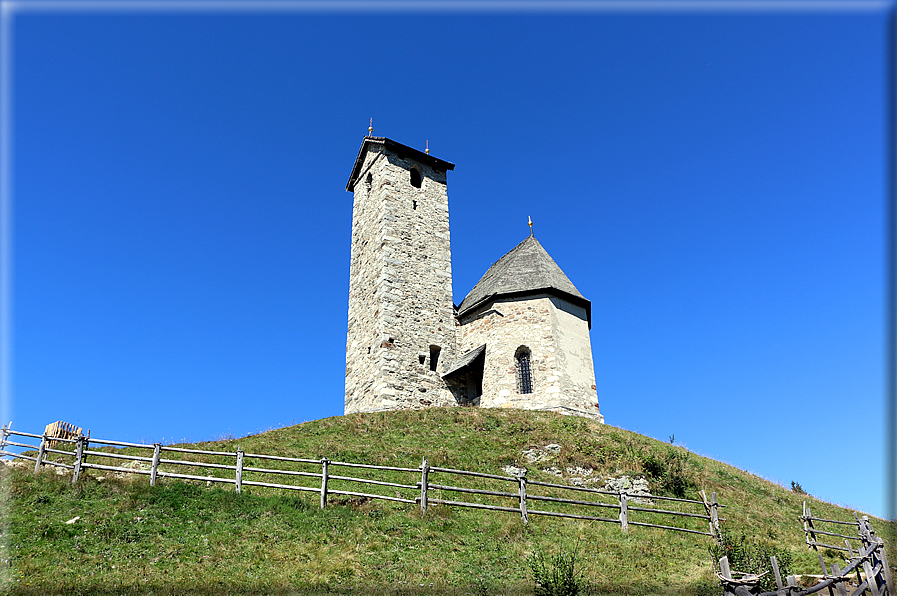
[377,143]
[526,269]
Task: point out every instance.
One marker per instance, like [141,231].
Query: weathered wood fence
[813,533]
[868,562]
[424,485]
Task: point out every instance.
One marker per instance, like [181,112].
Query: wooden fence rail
[513,494]
[811,531]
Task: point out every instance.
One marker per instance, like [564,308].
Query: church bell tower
[401,329]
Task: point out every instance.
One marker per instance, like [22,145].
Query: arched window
[415,178]
[524,372]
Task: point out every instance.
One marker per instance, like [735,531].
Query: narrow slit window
[524,370]
[415,178]
[414,204]
[434,356]
[421,358]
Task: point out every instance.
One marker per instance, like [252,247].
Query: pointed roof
[526,269]
[380,143]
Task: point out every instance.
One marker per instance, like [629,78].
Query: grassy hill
[189,538]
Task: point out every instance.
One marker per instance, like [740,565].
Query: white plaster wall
[574,355]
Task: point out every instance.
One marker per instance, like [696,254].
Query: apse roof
[526,269]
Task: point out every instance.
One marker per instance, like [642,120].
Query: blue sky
[712,181]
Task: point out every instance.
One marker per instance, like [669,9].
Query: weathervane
[530,225]
[371,128]
[427,150]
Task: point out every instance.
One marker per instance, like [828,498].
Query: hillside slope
[189,538]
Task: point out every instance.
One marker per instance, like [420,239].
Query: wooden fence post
[808,528]
[424,477]
[714,514]
[5,434]
[775,570]
[707,509]
[239,479]
[871,579]
[324,477]
[521,477]
[40,453]
[157,451]
[79,457]
[866,531]
[857,568]
[839,584]
[886,569]
[725,573]
[724,567]
[624,513]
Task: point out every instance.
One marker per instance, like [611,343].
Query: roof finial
[427,150]
[530,225]
[371,128]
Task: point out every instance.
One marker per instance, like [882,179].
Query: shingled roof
[465,360]
[526,269]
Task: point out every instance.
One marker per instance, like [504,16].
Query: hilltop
[189,538]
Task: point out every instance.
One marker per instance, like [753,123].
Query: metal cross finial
[530,225]
[371,128]
[427,150]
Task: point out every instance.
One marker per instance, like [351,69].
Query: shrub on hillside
[556,575]
[668,472]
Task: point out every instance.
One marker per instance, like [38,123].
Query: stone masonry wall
[400,288]
[563,379]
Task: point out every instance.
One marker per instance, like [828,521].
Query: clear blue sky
[713,182]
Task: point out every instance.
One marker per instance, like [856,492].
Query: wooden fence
[424,485]
[826,531]
[869,562]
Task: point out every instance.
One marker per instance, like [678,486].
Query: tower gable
[382,144]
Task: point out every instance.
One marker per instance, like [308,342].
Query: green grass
[186,538]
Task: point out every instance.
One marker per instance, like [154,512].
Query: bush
[751,556]
[653,466]
[797,488]
[668,472]
[555,575]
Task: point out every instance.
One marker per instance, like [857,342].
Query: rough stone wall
[558,340]
[400,287]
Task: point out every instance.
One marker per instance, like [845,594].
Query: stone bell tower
[401,331]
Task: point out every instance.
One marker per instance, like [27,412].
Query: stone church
[519,339]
